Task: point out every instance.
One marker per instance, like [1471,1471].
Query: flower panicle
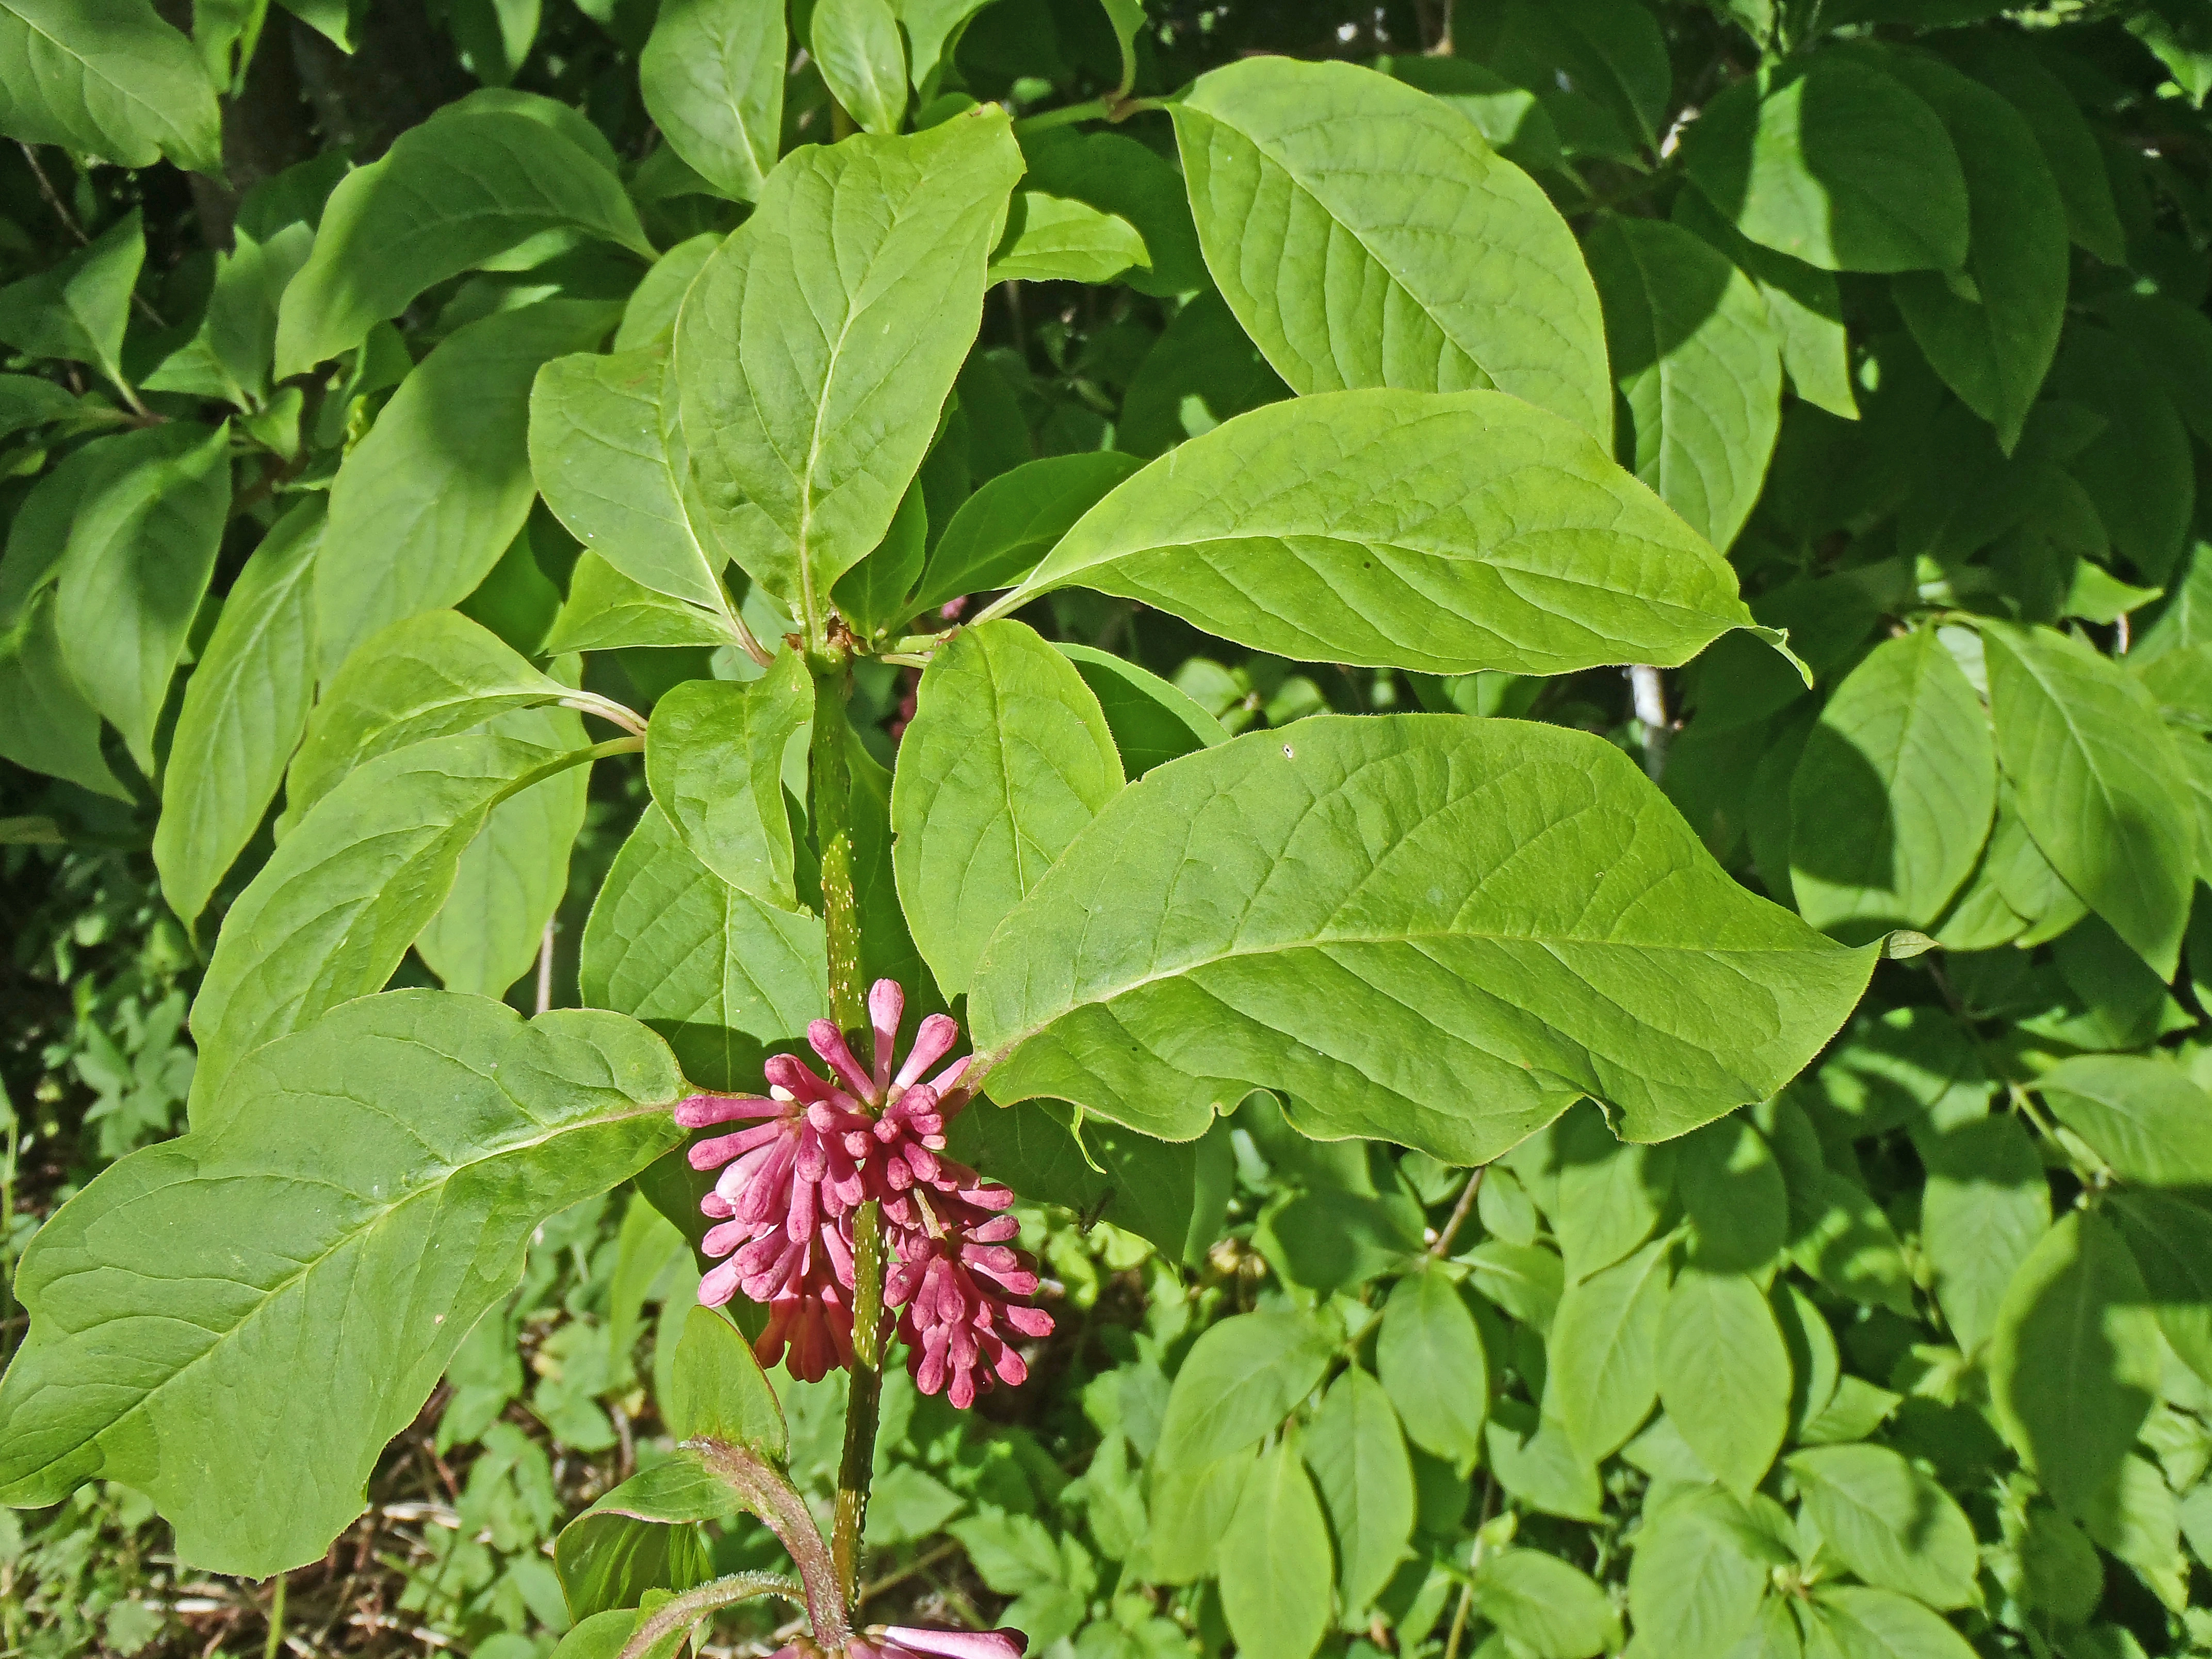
[813,1150]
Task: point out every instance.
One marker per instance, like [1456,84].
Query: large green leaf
[1700,363]
[1724,1374]
[1430,1359]
[245,708]
[142,548]
[426,503]
[863,59]
[432,676]
[1007,759]
[1890,1523]
[1152,721]
[2138,470]
[1357,1456]
[1203,369]
[462,188]
[2145,1118]
[722,976]
[108,78]
[1274,1562]
[1546,1606]
[1012,520]
[1241,1379]
[2097,783]
[45,724]
[1413,530]
[1609,1194]
[79,307]
[1986,1203]
[643,1536]
[1733,1194]
[1832,161]
[1603,1352]
[2003,60]
[712,75]
[1610,52]
[1055,239]
[2076,1360]
[715,755]
[818,346]
[1893,795]
[1699,1571]
[2171,1242]
[1880,1624]
[1993,352]
[1118,175]
[1366,236]
[1803,306]
[513,874]
[1346,910]
[334,909]
[600,452]
[293,1275]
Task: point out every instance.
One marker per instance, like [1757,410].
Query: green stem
[832,779]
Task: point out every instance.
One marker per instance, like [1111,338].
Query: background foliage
[1904,307]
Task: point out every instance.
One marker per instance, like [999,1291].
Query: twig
[53,196]
[1459,1212]
[920,1563]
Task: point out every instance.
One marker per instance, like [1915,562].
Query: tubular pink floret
[906,1642]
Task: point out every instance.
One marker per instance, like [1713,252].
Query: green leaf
[2075,1358]
[1609,51]
[1415,945]
[1202,370]
[712,75]
[79,308]
[862,57]
[1803,307]
[1604,1351]
[142,548]
[1173,1193]
[932,29]
[461,189]
[1986,1203]
[1890,1524]
[1441,533]
[1013,520]
[1152,721]
[1832,161]
[722,976]
[398,1158]
[1358,1461]
[1879,1624]
[1274,1562]
[1544,1606]
[720,1392]
[642,1536]
[1893,795]
[600,453]
[1699,361]
[330,915]
[1430,1359]
[1698,1574]
[1190,1511]
[2097,783]
[716,757]
[1733,1191]
[1366,236]
[1052,238]
[432,676]
[650,313]
[1999,59]
[1240,1380]
[1119,176]
[1610,1193]
[1724,1374]
[45,723]
[2170,1240]
[810,315]
[2138,1521]
[2142,1116]
[1007,759]
[245,708]
[1994,354]
[441,484]
[606,611]
[1531,1457]
[2174,344]
[873,597]
[108,78]
[513,876]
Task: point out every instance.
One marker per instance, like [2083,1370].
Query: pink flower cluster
[818,1148]
[903,1642]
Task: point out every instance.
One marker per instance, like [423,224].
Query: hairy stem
[766,1494]
[681,1612]
[848,1007]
